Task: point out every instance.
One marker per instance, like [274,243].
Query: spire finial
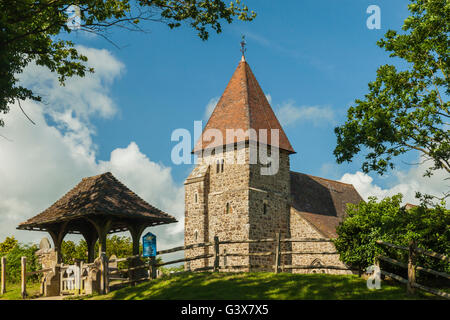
[243,49]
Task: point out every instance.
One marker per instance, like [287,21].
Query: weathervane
[243,43]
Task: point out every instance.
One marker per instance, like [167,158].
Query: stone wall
[269,210]
[300,228]
[234,201]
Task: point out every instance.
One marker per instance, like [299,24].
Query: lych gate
[97,206]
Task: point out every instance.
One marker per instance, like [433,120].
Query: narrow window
[195,197]
[195,235]
[221,165]
[217,166]
[265,209]
[228,208]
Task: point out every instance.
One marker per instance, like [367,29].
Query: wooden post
[152,265]
[3,276]
[216,253]
[411,269]
[80,278]
[23,261]
[277,251]
[225,258]
[104,274]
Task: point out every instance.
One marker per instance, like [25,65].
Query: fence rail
[413,252]
[152,264]
[113,274]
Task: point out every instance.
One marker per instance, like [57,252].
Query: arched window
[317,263]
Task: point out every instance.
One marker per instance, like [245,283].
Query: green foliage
[120,246]
[72,252]
[13,262]
[169,270]
[405,110]
[387,220]
[7,245]
[30,30]
[13,291]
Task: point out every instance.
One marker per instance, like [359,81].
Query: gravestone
[48,258]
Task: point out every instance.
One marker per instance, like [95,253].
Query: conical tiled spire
[243,105]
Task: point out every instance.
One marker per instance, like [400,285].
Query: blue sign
[149,245]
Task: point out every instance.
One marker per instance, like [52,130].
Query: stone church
[234,201]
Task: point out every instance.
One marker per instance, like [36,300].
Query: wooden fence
[152,264]
[413,252]
[112,276]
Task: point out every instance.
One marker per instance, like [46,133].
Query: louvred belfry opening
[243,106]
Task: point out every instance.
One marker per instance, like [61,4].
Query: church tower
[234,193]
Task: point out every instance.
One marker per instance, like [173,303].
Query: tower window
[196,197]
[195,235]
[227,210]
[219,166]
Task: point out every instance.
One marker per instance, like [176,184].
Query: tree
[13,262]
[409,109]
[388,221]
[30,30]
[7,245]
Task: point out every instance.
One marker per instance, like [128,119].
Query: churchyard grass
[13,291]
[248,286]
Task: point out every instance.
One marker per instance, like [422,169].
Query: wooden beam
[433,291]
[383,243]
[216,253]
[57,233]
[307,252]
[3,276]
[432,254]
[313,267]
[23,278]
[203,256]
[277,252]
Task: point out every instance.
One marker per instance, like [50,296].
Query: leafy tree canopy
[405,110]
[13,261]
[387,220]
[7,245]
[30,30]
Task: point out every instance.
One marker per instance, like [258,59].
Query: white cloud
[404,182]
[289,114]
[87,96]
[41,163]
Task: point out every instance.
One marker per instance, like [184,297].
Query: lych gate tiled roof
[243,105]
[321,202]
[99,195]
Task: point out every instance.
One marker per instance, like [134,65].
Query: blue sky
[311,58]
[309,53]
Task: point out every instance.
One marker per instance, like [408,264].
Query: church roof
[243,105]
[98,195]
[321,202]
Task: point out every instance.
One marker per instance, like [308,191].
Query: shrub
[13,262]
[388,221]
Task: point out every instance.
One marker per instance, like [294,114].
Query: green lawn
[13,291]
[244,286]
